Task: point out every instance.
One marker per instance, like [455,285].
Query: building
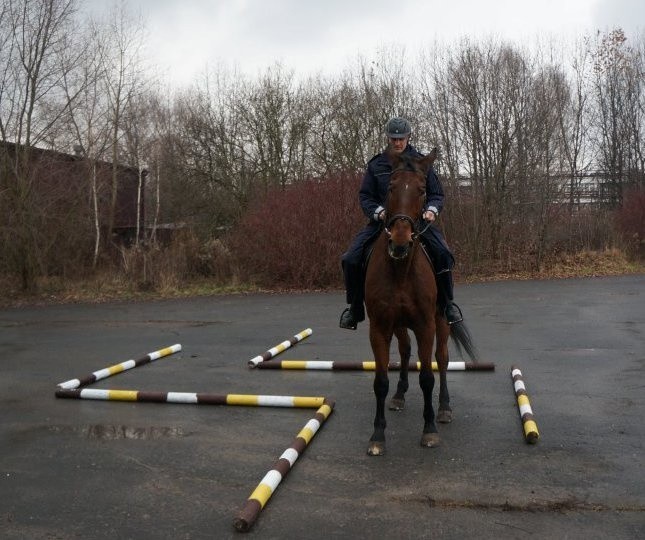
[58,180]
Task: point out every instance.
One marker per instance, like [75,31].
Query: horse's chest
[404,304]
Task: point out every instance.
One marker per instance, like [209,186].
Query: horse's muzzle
[399,251]
[400,230]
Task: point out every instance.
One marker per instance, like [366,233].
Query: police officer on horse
[372,198]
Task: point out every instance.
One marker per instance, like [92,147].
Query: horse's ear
[427,161]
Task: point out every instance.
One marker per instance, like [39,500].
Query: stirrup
[347,320]
[453,313]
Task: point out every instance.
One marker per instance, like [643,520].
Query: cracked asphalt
[106,469]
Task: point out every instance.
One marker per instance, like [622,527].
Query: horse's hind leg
[444,415]
[397,403]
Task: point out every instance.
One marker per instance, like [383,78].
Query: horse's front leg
[430,437]
[381,349]
[444,415]
[397,403]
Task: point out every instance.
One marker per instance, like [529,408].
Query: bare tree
[544,146]
[87,121]
[120,47]
[32,33]
[351,110]
[491,84]
[615,107]
[439,104]
[635,75]
[211,152]
[138,130]
[159,152]
[574,122]
[275,127]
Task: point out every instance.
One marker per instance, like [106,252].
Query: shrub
[168,268]
[294,237]
[630,222]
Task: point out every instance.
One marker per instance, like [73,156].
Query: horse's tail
[463,340]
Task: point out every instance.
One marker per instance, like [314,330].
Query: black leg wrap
[426,381]
[381,386]
[402,386]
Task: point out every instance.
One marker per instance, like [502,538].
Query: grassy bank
[116,287]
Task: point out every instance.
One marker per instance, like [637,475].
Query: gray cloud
[326,35]
[626,14]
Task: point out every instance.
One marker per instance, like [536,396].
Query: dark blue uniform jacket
[372,197]
[373,192]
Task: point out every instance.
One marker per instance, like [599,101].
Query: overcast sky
[327,35]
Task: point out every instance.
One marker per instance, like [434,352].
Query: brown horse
[401,294]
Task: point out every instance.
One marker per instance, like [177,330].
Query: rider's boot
[351,316]
[355,313]
[451,311]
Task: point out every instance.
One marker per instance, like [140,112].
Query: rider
[372,198]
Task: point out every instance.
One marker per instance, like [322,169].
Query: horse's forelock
[409,164]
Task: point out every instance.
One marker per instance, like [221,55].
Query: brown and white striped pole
[274,351]
[252,400]
[258,499]
[531,433]
[118,368]
[370,365]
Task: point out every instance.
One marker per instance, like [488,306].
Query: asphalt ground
[106,469]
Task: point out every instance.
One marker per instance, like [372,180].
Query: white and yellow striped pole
[274,351]
[260,496]
[531,433]
[118,368]
[195,398]
[368,365]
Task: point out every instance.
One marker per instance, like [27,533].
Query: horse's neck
[403,268]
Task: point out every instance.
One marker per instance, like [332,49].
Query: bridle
[400,252]
[415,229]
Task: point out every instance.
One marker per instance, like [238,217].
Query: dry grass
[118,286]
[609,262]
[107,288]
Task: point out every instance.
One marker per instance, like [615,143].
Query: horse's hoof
[397,404]
[444,416]
[430,440]
[376,448]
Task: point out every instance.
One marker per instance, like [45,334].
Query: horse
[401,294]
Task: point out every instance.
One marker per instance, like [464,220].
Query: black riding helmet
[398,128]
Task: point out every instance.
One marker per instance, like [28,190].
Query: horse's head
[405,201]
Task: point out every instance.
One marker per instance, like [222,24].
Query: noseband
[415,230]
[397,217]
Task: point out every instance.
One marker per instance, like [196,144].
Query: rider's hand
[429,215]
[381,215]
